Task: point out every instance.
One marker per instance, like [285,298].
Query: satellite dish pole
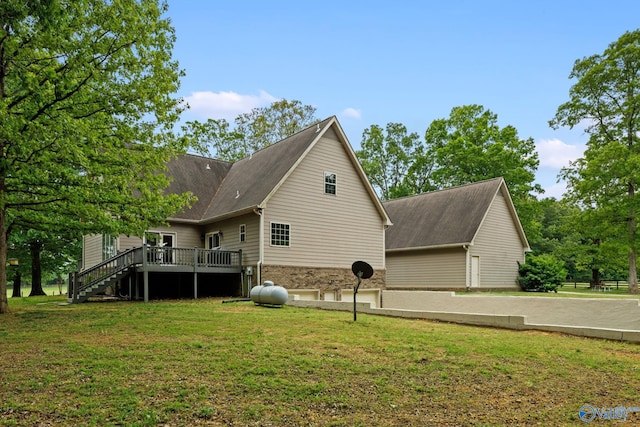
[362,270]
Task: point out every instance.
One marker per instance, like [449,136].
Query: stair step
[100,286]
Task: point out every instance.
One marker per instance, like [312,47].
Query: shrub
[541,273]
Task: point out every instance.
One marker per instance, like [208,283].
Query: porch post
[146,285]
[195,273]
[242,275]
[145,272]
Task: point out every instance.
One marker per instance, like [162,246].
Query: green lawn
[569,290]
[207,363]
[49,290]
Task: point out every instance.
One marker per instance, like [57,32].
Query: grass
[52,290]
[568,290]
[202,362]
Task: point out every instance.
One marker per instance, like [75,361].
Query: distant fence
[610,284]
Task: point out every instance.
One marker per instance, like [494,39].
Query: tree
[469,146]
[222,142]
[87,112]
[265,126]
[595,250]
[387,156]
[46,255]
[253,131]
[606,98]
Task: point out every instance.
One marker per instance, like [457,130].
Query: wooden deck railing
[152,257]
[191,257]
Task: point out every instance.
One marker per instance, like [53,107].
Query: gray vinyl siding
[326,230]
[444,268]
[499,247]
[231,236]
[91,250]
[128,242]
[187,235]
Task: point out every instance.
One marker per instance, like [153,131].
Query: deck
[152,259]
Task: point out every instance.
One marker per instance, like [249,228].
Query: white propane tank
[269,294]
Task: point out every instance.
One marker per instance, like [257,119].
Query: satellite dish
[362,269]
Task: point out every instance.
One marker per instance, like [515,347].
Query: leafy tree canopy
[606,99]
[87,112]
[253,131]
[469,146]
[388,155]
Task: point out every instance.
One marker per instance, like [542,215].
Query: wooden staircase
[98,278]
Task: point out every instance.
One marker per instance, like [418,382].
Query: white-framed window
[243,233]
[156,238]
[330,183]
[280,234]
[108,246]
[152,238]
[214,240]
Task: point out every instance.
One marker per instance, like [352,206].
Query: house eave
[183,221]
[239,212]
[432,247]
[217,218]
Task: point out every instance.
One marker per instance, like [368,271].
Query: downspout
[384,248]
[258,211]
[467,267]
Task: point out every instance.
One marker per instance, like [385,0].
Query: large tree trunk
[36,270]
[595,277]
[4,303]
[17,292]
[633,272]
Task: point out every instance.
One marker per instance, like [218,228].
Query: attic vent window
[330,182]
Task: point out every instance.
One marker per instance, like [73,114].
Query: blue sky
[375,62]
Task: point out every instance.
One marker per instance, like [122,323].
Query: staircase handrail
[99,272]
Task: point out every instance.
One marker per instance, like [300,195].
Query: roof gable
[240,187]
[252,179]
[448,217]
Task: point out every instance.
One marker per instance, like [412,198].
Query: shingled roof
[201,176]
[227,189]
[253,178]
[442,218]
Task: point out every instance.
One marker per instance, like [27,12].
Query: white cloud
[351,113]
[554,153]
[226,105]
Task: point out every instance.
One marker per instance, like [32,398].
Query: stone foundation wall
[330,280]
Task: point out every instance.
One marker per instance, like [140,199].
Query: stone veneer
[324,279]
